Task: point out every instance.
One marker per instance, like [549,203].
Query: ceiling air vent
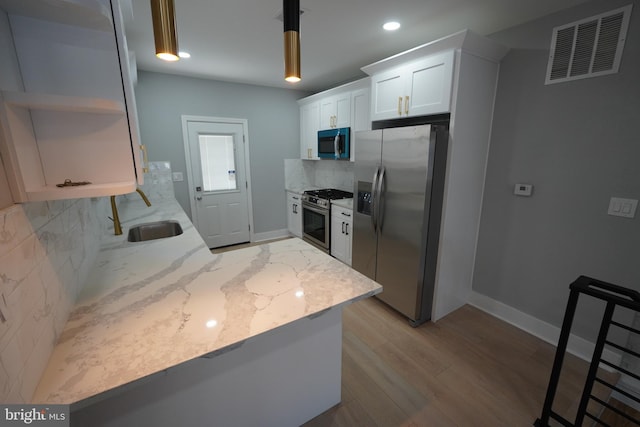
[588,48]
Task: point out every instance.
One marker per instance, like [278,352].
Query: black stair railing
[614,296]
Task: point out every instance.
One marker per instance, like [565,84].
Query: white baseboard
[545,331]
[270,235]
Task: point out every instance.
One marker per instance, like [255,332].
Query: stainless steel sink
[154,230]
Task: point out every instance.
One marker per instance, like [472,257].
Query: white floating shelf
[89,190]
[38,101]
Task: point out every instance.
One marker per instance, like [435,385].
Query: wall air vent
[588,48]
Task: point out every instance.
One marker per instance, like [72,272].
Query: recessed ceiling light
[167,57]
[183,54]
[391,25]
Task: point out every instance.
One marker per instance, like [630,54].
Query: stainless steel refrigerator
[398,187]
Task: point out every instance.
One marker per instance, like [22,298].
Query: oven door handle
[314,208]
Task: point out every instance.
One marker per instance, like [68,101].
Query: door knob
[198,198]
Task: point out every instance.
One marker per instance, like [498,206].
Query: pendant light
[291,19]
[163,15]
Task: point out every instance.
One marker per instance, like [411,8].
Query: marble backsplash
[46,252]
[158,183]
[302,174]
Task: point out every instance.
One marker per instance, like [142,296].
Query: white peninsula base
[281,378]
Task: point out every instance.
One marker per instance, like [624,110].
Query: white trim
[185,141]
[545,331]
[270,235]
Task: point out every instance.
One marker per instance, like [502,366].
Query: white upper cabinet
[309,126]
[360,118]
[335,111]
[419,88]
[346,106]
[74,119]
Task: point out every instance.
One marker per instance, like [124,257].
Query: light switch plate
[177,176]
[625,208]
[523,190]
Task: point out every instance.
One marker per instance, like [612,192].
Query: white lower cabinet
[341,233]
[294,214]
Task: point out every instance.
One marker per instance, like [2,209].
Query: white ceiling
[242,41]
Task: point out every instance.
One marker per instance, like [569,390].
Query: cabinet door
[294,214]
[128,79]
[338,244]
[360,110]
[428,85]
[348,238]
[335,111]
[327,113]
[343,110]
[387,94]
[309,126]
[341,230]
[360,119]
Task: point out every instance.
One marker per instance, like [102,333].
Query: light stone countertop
[149,306]
[345,203]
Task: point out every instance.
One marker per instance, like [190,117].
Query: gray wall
[578,143]
[274,132]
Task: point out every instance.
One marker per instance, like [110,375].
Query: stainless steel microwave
[334,144]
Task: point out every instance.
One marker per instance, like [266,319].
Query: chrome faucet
[117,227]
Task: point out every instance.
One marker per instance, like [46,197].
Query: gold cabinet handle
[399,105]
[145,159]
[406,105]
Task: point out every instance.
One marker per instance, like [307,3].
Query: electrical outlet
[625,208]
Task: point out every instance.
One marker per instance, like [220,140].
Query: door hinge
[246,185]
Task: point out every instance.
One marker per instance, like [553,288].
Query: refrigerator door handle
[380,199]
[374,203]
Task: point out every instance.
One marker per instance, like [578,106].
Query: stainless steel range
[316,215]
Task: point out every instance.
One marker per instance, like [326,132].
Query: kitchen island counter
[150,306]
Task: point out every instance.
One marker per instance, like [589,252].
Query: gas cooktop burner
[329,194]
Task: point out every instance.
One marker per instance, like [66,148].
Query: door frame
[247,164]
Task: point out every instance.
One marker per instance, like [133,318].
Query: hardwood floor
[468,369]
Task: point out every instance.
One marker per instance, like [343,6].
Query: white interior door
[218,180]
